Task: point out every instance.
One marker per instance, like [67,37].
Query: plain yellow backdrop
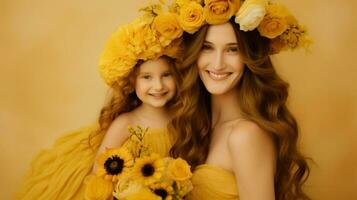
[49,82]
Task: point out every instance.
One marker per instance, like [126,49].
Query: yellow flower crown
[159,32]
[142,39]
[271,19]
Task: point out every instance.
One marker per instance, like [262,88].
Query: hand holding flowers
[138,173]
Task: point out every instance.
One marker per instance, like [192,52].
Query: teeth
[218,76]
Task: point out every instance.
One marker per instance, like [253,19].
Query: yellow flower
[167,25]
[113,163]
[182,3]
[164,190]
[250,14]
[275,21]
[179,170]
[220,11]
[97,188]
[142,194]
[116,61]
[184,187]
[191,17]
[295,37]
[148,169]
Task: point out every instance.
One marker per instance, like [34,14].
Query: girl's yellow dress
[59,173]
[212,183]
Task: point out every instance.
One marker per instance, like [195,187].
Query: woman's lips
[218,76]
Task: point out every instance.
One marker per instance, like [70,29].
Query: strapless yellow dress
[213,183]
[59,173]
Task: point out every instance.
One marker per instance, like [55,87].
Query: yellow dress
[59,173]
[212,183]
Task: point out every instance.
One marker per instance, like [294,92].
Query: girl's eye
[146,77]
[167,74]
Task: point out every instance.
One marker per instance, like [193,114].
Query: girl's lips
[158,95]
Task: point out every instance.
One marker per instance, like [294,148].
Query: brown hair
[262,98]
[124,99]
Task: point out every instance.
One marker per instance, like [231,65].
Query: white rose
[251,14]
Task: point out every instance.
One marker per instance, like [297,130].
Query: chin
[217,91]
[158,104]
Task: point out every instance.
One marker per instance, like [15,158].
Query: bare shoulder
[121,123]
[250,146]
[117,132]
[253,155]
[249,134]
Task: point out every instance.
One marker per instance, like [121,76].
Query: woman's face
[155,83]
[219,63]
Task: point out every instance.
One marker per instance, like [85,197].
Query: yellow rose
[220,11]
[250,14]
[167,25]
[97,188]
[179,170]
[275,21]
[191,17]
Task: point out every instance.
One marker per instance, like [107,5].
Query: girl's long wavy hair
[262,98]
[123,99]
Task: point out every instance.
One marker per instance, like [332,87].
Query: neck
[225,107]
[153,116]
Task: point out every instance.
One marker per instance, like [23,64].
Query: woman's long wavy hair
[262,98]
[123,99]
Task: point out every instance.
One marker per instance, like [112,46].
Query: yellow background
[50,84]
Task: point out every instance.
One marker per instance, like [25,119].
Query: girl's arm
[116,135]
[253,156]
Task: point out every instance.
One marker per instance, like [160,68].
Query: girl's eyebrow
[144,73]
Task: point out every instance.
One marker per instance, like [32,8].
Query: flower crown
[159,31]
[139,40]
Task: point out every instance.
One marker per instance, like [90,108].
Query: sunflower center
[148,170]
[161,192]
[114,165]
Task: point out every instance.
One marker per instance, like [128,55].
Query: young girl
[139,64]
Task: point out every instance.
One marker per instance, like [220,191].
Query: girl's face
[155,83]
[219,63]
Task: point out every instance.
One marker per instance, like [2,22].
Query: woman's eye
[232,49]
[206,47]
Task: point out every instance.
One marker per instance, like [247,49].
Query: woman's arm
[116,135]
[253,156]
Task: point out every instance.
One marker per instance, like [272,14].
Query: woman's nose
[218,61]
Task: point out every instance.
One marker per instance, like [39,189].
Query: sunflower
[149,169]
[163,190]
[114,162]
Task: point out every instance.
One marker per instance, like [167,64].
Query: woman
[245,144]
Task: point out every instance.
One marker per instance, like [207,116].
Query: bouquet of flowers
[136,173]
